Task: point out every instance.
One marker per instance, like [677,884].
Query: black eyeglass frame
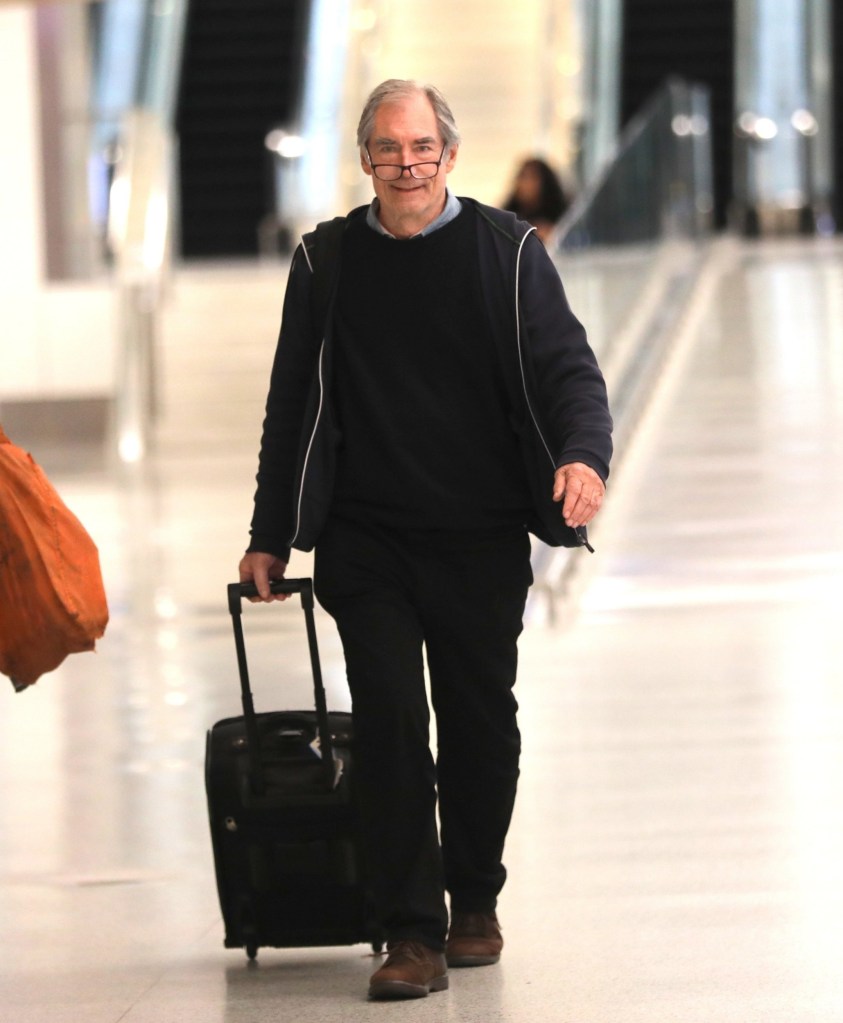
[401,167]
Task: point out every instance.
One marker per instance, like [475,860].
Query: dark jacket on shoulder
[552,378]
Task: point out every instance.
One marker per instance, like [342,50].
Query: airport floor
[677,849]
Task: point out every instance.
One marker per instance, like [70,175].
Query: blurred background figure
[537,196]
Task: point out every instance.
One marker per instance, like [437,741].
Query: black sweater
[426,437]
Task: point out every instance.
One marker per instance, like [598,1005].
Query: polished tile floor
[677,851]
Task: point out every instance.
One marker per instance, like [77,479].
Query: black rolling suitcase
[282,822]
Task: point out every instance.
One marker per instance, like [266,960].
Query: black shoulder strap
[322,251]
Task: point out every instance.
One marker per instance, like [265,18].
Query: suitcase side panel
[287,866]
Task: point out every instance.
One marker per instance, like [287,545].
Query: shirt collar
[451,210]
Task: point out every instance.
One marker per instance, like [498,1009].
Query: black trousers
[460,598]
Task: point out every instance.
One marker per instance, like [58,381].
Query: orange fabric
[52,601]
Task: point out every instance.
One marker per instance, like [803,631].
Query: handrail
[629,251]
[662,162]
[589,196]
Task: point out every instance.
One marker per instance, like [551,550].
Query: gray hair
[399,88]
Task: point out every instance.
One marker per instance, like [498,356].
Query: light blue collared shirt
[451,210]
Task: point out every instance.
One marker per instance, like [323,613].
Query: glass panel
[783,129]
[628,251]
[306,154]
[600,23]
[655,193]
[139,55]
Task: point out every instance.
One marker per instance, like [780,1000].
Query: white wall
[486,63]
[55,340]
[21,255]
[20,172]
[510,71]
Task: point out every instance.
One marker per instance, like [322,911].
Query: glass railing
[139,232]
[136,56]
[139,53]
[629,250]
[654,196]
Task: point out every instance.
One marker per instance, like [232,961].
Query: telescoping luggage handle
[304,587]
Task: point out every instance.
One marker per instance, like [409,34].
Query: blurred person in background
[537,196]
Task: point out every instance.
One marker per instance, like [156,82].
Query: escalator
[694,41]
[241,75]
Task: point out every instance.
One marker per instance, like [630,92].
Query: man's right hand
[259,568]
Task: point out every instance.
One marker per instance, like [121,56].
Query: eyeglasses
[393,171]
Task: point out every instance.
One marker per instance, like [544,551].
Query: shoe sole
[396,989]
[459,961]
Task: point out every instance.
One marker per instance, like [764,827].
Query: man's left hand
[582,490]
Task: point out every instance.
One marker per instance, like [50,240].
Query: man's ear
[452,159]
[364,163]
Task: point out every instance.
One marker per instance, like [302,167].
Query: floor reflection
[676,848]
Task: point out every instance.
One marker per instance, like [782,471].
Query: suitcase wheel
[249,936]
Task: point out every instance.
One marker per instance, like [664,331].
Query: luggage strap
[323,246]
[304,587]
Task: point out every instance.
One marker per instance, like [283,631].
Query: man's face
[405,132]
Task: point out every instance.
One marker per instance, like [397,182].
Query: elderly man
[440,403]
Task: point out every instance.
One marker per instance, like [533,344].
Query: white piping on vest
[315,422]
[520,353]
[309,448]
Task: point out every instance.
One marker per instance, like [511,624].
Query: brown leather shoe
[474,939]
[411,970]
